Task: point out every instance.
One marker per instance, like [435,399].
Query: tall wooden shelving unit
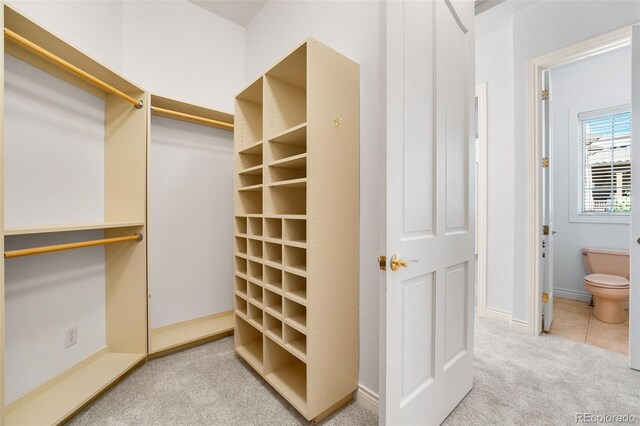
[174,337]
[124,215]
[296,235]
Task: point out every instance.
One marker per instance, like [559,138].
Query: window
[605,162]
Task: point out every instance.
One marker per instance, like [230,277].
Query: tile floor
[574,320]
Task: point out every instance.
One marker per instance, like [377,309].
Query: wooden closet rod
[203,120]
[64,64]
[70,246]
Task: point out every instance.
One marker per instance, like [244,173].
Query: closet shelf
[182,334]
[274,288]
[241,294]
[275,334]
[255,170]
[251,188]
[45,229]
[274,310]
[252,353]
[255,149]
[295,135]
[296,243]
[298,348]
[299,322]
[65,394]
[291,183]
[298,270]
[291,382]
[298,162]
[298,296]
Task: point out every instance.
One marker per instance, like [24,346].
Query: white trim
[583,296]
[520,326]
[497,314]
[368,399]
[481,226]
[582,50]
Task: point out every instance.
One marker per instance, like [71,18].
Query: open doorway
[586,185]
[594,129]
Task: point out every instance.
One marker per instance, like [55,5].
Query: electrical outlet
[70,336]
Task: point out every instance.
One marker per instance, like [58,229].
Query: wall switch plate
[70,336]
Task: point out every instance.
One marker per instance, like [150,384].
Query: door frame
[536,67]
[481,185]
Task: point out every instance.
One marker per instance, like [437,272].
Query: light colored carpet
[519,380]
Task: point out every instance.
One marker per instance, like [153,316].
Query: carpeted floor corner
[518,380]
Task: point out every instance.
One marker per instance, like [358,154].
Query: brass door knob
[397,263]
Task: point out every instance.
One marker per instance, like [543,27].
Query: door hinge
[382,261]
[545,162]
[545,297]
[545,94]
[545,230]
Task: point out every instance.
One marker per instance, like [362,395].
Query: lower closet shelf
[291,382]
[62,396]
[187,332]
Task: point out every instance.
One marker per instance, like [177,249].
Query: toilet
[608,282]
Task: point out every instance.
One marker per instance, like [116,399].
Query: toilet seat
[607,281]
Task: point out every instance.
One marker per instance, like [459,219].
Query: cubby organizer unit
[118,273]
[199,309]
[296,201]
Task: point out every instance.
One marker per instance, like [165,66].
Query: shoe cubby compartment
[295,231]
[241,245]
[255,315]
[272,278]
[289,144]
[250,202]
[295,288]
[248,117]
[273,303]
[255,293]
[241,305]
[289,169]
[241,225]
[255,248]
[295,315]
[295,342]
[287,200]
[286,373]
[241,265]
[273,228]
[255,270]
[285,90]
[248,343]
[295,259]
[273,252]
[249,164]
[241,285]
[272,327]
[255,226]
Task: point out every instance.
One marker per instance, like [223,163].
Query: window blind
[605,160]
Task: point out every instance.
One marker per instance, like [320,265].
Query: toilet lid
[604,280]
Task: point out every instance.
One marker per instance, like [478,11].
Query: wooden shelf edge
[249,150]
[291,159]
[45,229]
[190,333]
[70,391]
[291,183]
[287,131]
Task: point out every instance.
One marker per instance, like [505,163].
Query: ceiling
[484,5]
[239,11]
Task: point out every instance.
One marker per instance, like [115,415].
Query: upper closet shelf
[191,113]
[296,135]
[45,229]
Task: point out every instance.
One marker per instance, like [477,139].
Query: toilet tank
[605,261]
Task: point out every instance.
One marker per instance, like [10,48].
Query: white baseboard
[520,326]
[583,296]
[368,399]
[497,314]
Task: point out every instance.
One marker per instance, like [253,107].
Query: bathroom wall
[597,82]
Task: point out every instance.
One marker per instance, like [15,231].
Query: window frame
[575,158]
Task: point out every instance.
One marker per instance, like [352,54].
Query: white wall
[494,65]
[597,82]
[178,50]
[47,294]
[353,29]
[190,221]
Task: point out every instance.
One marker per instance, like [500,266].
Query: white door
[547,206]
[427,333]
[634,288]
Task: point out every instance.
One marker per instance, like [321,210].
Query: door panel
[428,329]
